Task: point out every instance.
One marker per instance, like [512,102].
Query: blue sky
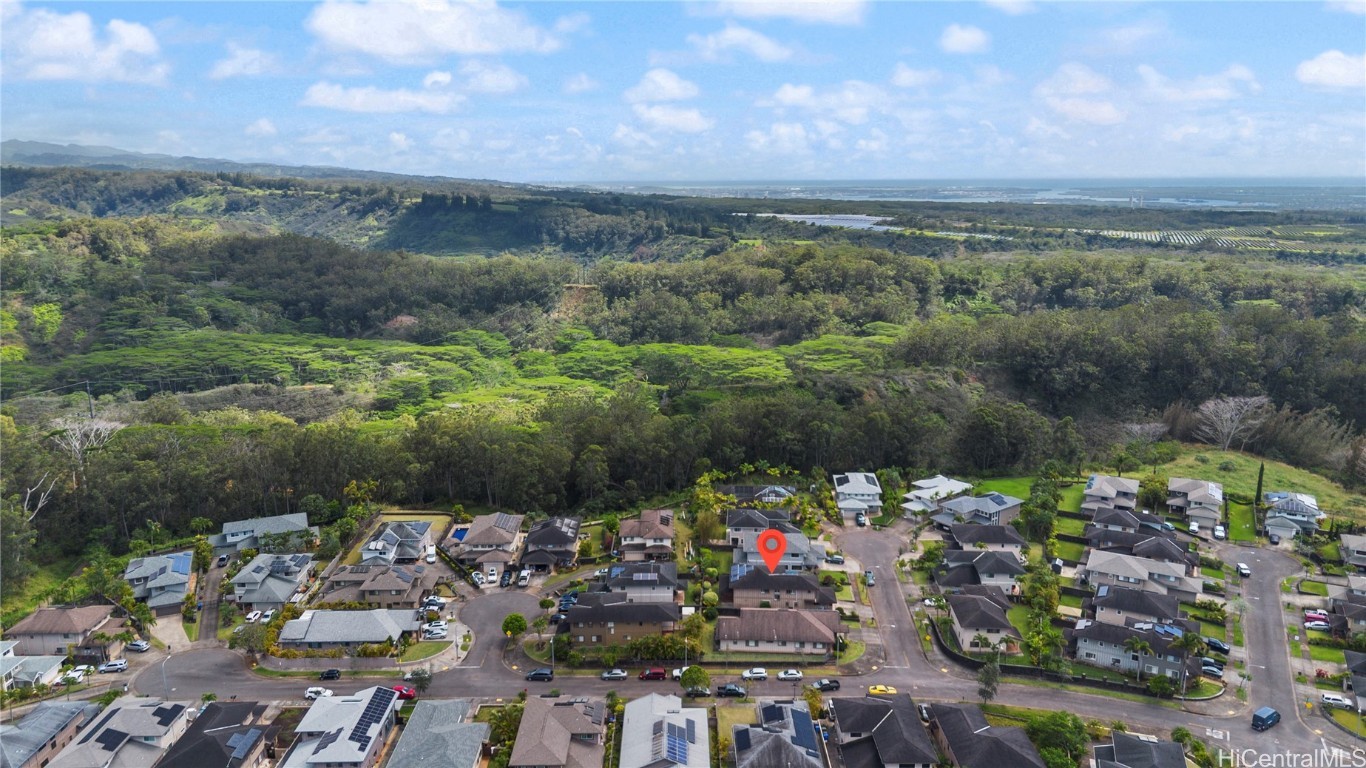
[697,91]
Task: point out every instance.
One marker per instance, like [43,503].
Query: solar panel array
[645,577]
[676,744]
[403,576]
[111,739]
[804,733]
[376,711]
[241,743]
[326,741]
[167,714]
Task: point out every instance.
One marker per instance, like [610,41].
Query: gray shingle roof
[437,734]
[976,612]
[1137,601]
[373,626]
[1134,752]
[977,743]
[555,733]
[773,624]
[20,741]
[62,621]
[897,733]
[968,535]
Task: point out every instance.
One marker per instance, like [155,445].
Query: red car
[405,693]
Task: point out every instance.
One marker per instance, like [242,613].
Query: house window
[751,643]
[1089,655]
[1114,662]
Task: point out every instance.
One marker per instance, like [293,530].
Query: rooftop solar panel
[111,738]
[326,741]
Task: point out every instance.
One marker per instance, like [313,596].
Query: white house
[858,492]
[928,493]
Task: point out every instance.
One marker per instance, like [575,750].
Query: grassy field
[1310,587]
[1325,653]
[1070,526]
[1332,498]
[1070,550]
[27,599]
[1241,524]
[1019,488]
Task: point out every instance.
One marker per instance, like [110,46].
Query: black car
[825,684]
[1274,538]
[543,675]
[330,674]
[557,618]
[731,689]
[697,692]
[507,578]
[1215,644]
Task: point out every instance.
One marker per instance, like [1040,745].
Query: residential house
[1139,573]
[269,582]
[881,732]
[993,538]
[989,567]
[343,730]
[801,553]
[607,619]
[74,632]
[975,616]
[746,520]
[1286,509]
[965,737]
[745,495]
[659,732]
[1129,750]
[552,543]
[1199,500]
[379,586]
[648,537]
[1353,548]
[400,541]
[1153,546]
[858,492]
[785,737]
[26,671]
[779,630]
[133,732]
[559,734]
[491,540]
[752,587]
[991,509]
[281,533]
[1348,619]
[1123,605]
[232,734]
[1101,644]
[1107,492]
[1115,520]
[1354,592]
[322,629]
[1356,670]
[438,733]
[926,495]
[162,581]
[650,581]
[33,741]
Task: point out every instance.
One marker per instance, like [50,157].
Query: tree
[695,677]
[540,623]
[200,525]
[1191,644]
[988,680]
[815,703]
[421,679]
[203,553]
[251,638]
[1137,645]
[547,603]
[1059,730]
[1152,492]
[514,625]
[1160,686]
[17,539]
[1225,419]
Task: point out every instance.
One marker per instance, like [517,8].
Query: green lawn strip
[1018,616]
[191,628]
[1072,496]
[1349,720]
[225,633]
[1069,525]
[853,651]
[1314,588]
[1237,631]
[1242,526]
[1327,654]
[1211,629]
[1010,486]
[1070,550]
[920,577]
[1212,573]
[1071,601]
[424,649]
[1330,551]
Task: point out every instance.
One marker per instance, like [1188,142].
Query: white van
[524,578]
[1335,700]
[431,553]
[1194,527]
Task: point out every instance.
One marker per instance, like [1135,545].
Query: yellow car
[881,689]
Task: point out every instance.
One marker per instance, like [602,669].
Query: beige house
[648,537]
[779,630]
[1122,570]
[559,734]
[67,632]
[981,615]
[379,586]
[491,540]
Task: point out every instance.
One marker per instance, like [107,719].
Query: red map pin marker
[772,545]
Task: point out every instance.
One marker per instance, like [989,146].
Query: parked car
[653,673]
[697,692]
[431,554]
[1274,538]
[1335,700]
[222,560]
[1316,615]
[330,674]
[438,624]
[557,618]
[1211,662]
[1168,526]
[677,673]
[492,575]
[253,617]
[731,689]
[139,646]
[868,577]
[114,665]
[524,578]
[542,674]
[754,673]
[860,519]
[434,602]
[1243,570]
[599,573]
[267,616]
[1215,644]
[924,712]
[614,674]
[435,634]
[478,578]
[1321,626]
[317,692]
[835,559]
[1219,532]
[826,684]
[405,693]
[506,579]
[881,690]
[788,675]
[1215,672]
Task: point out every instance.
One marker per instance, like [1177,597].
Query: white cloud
[842,12]
[1348,6]
[875,141]
[1129,39]
[580,83]
[1333,69]
[371,99]
[905,77]
[780,138]
[851,102]
[959,38]
[789,95]
[673,118]
[492,78]
[1094,111]
[45,45]
[661,85]
[1073,91]
[421,30]
[243,62]
[1013,7]
[632,138]
[262,127]
[1178,133]
[1233,82]
[737,38]
[399,141]
[1073,78]
[436,79]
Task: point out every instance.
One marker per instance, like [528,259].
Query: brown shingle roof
[62,621]
[771,624]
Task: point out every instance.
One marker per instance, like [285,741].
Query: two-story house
[46,730]
[379,586]
[648,537]
[1123,570]
[552,543]
[1153,546]
[560,734]
[398,542]
[785,736]
[882,731]
[133,731]
[1109,519]
[233,734]
[967,740]
[926,495]
[1123,605]
[281,533]
[439,732]
[66,631]
[161,581]
[994,538]
[651,581]
[1101,644]
[745,520]
[978,616]
[1199,500]
[779,630]
[1127,750]
[344,731]
[491,540]
[988,567]
[857,492]
[1289,514]
[752,587]
[659,732]
[1353,592]
[1107,492]
[26,671]
[801,553]
[991,509]
[602,618]
[745,495]
[269,582]
[1353,548]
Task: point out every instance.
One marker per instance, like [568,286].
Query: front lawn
[1327,653]
[424,649]
[731,714]
[842,589]
[1212,573]
[853,651]
[1070,551]
[1309,587]
[1242,524]
[1349,720]
[191,627]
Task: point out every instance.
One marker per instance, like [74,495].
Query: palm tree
[1190,644]
[1136,644]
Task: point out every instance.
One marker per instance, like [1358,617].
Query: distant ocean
[1242,194]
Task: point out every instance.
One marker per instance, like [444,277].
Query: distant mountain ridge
[48,155]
